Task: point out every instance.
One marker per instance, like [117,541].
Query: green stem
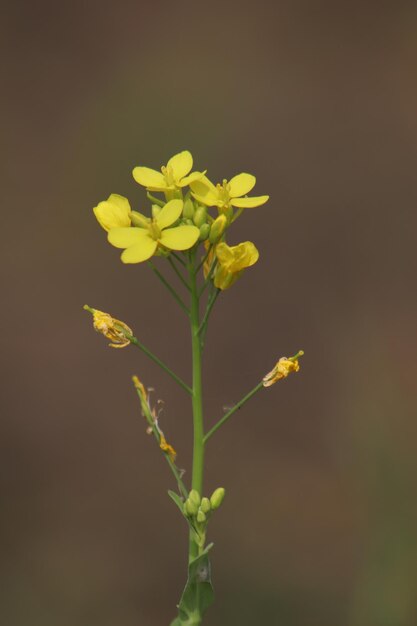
[210,305]
[178,258]
[178,273]
[170,289]
[156,201]
[161,364]
[232,410]
[197,400]
[208,279]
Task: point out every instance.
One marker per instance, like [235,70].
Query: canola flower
[228,193]
[174,175]
[282,369]
[232,260]
[141,243]
[111,328]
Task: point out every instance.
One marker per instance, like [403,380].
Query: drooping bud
[217,228]
[204,231]
[188,210]
[200,216]
[217,497]
[205,505]
[201,516]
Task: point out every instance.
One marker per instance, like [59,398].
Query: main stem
[197,397]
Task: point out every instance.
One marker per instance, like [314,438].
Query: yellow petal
[126,237]
[181,164]
[249,203]
[113,213]
[149,178]
[204,191]
[241,184]
[187,180]
[140,251]
[169,213]
[180,238]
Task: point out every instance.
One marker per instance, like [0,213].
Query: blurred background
[318,100]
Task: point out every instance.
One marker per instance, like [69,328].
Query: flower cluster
[180,219]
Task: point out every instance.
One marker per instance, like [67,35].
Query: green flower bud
[205,505]
[217,497]
[200,216]
[191,508]
[201,516]
[155,210]
[217,228]
[204,231]
[138,219]
[188,210]
[189,221]
[194,496]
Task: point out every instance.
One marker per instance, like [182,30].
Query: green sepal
[198,593]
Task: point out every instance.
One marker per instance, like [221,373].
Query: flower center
[223,194]
[154,230]
[168,172]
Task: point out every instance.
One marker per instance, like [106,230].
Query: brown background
[318,99]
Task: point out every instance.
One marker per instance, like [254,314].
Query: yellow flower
[113,329]
[113,212]
[228,194]
[167,448]
[282,369]
[172,176]
[141,243]
[232,260]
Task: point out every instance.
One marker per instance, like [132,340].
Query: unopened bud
[155,210]
[200,216]
[217,228]
[217,497]
[205,505]
[204,231]
[201,516]
[191,508]
[188,210]
[138,219]
[194,496]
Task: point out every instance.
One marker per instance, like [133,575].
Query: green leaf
[180,504]
[198,594]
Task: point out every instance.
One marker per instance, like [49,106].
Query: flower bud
[188,210]
[201,516]
[190,507]
[217,228]
[138,219]
[155,210]
[217,497]
[204,231]
[200,216]
[194,496]
[205,505]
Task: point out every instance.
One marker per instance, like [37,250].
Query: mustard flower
[141,243]
[282,369]
[114,212]
[172,176]
[228,194]
[113,329]
[232,260]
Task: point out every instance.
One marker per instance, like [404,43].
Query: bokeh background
[318,100]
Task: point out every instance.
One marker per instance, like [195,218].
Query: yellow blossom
[174,175]
[167,448]
[232,260]
[113,329]
[228,193]
[114,212]
[142,242]
[282,369]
